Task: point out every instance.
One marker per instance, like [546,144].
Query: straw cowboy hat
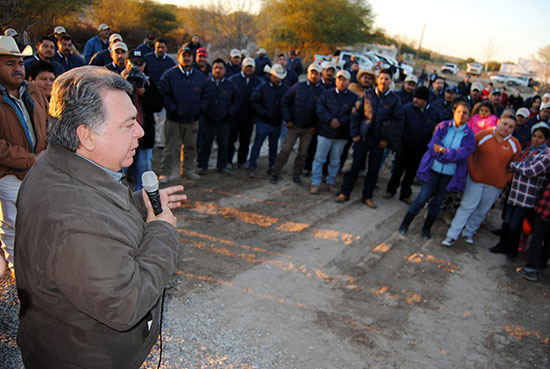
[8,46]
[276,70]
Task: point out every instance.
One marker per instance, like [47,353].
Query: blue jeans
[143,160]
[476,202]
[264,130]
[436,185]
[324,145]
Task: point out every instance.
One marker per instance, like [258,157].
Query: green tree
[316,25]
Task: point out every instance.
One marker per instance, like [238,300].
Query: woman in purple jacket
[443,167]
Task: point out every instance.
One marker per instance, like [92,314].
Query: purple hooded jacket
[458,156]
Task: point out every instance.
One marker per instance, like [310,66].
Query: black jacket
[231,69]
[182,94]
[445,108]
[335,104]
[244,115]
[155,66]
[260,65]
[101,58]
[266,102]
[151,102]
[404,96]
[419,126]
[299,104]
[220,101]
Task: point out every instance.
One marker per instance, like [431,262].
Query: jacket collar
[88,174]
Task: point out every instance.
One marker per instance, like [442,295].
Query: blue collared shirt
[117,176]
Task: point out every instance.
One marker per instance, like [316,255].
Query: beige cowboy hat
[276,70]
[8,46]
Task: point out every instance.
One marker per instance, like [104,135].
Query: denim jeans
[264,130]
[324,145]
[436,185]
[143,161]
[476,202]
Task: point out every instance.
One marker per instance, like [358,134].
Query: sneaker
[201,171]
[297,180]
[167,179]
[469,240]
[252,174]
[387,195]
[530,276]
[229,166]
[333,189]
[341,198]
[314,190]
[274,179]
[192,176]
[269,171]
[448,241]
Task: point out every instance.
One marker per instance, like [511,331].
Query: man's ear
[86,136]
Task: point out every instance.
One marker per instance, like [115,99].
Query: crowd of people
[448,137]
[468,144]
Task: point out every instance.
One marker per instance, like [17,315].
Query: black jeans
[211,130]
[360,151]
[407,162]
[539,248]
[241,131]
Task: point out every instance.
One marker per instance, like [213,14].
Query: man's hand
[334,123]
[383,144]
[140,90]
[169,200]
[356,138]
[289,124]
[438,148]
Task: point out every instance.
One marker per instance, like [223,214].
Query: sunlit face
[328,74]
[185,59]
[475,94]
[218,71]
[366,80]
[438,85]
[505,127]
[484,112]
[536,104]
[313,76]
[409,87]
[342,83]
[12,71]
[384,82]
[537,138]
[544,114]
[248,70]
[449,95]
[65,47]
[195,39]
[282,60]
[44,80]
[46,49]
[119,56]
[495,99]
[116,146]
[160,49]
[104,34]
[461,114]
[201,60]
[236,60]
[521,120]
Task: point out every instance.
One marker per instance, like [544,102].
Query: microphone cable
[160,333]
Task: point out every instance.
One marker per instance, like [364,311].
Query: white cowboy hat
[276,70]
[8,46]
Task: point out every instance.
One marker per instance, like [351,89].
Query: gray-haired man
[93,258]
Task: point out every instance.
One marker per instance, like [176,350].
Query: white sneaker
[468,240]
[448,241]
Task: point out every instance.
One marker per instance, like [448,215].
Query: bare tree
[543,57]
[490,53]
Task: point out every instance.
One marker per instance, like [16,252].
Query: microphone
[151,185]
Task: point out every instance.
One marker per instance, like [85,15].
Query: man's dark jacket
[73,61]
[335,104]
[300,102]
[419,127]
[445,109]
[404,96]
[220,101]
[244,115]
[182,94]
[266,102]
[155,66]
[101,58]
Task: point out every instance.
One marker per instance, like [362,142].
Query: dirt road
[273,277]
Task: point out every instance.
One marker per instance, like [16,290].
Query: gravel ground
[10,357]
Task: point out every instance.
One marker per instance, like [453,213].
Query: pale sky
[516,28]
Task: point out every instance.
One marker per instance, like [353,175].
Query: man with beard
[64,54]
[45,51]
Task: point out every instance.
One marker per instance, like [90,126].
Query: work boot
[404,227]
[427,226]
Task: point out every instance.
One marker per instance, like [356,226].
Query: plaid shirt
[543,205]
[529,177]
